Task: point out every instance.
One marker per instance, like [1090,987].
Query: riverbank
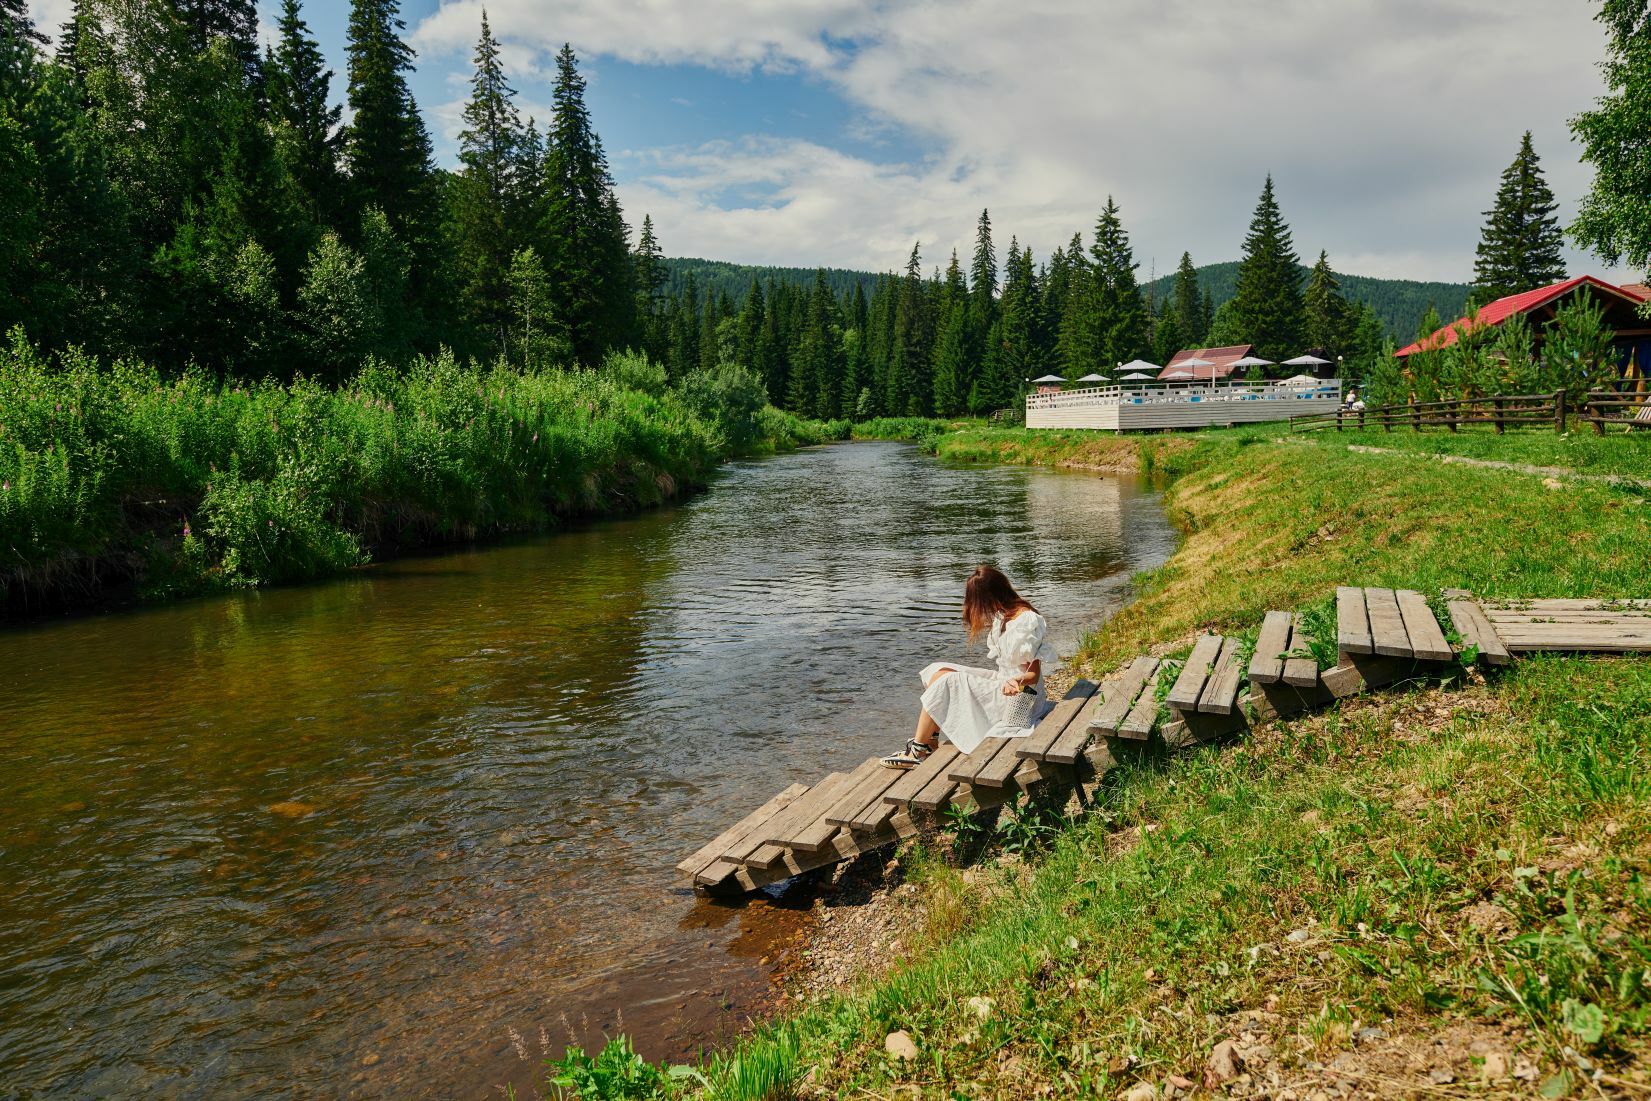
[1431,890]
[118,482]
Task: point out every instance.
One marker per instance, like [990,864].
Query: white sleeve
[1023,639]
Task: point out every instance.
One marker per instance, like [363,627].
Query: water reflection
[343,839]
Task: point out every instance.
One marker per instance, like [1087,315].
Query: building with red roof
[1621,306]
[1222,358]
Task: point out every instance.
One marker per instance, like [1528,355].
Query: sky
[838,132]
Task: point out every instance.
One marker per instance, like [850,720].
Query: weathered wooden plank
[1303,671]
[1137,725]
[1221,690]
[1387,630]
[1051,726]
[1601,604]
[968,765]
[1600,644]
[1427,641]
[935,794]
[713,851]
[1352,622]
[1120,695]
[872,784]
[1476,630]
[1267,666]
[873,811]
[914,781]
[1190,684]
[1069,746]
[806,809]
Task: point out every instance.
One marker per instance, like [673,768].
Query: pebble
[369,1059]
[1495,1068]
[1440,1076]
[1225,1062]
[900,1045]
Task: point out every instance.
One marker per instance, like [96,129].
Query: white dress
[968,703]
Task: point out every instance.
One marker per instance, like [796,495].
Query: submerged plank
[1475,628]
[730,837]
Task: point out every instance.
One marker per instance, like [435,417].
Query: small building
[1620,304]
[1222,360]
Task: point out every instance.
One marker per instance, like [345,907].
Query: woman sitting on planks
[970,704]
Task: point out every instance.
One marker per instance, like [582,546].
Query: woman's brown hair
[988,594]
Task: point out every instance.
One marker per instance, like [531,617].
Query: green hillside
[1400,303]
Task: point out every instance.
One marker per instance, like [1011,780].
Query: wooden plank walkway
[1382,636]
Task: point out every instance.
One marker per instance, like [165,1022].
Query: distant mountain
[1400,303]
[720,276]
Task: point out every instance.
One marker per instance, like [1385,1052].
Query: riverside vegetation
[1463,860]
[119,476]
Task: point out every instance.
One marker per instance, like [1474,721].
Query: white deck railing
[1184,393]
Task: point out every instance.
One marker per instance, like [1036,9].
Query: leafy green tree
[1168,335]
[16,24]
[1614,219]
[338,324]
[386,269]
[1520,246]
[1267,306]
[234,23]
[1328,318]
[1367,344]
[253,288]
[1578,353]
[536,338]
[308,139]
[590,264]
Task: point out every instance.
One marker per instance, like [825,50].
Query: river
[398,834]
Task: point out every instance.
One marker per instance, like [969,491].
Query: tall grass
[118,473]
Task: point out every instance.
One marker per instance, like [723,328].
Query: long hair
[986,595]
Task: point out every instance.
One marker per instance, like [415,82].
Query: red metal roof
[1221,357]
[1494,313]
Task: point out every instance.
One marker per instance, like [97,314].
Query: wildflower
[186,534]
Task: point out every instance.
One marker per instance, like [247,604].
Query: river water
[396,835]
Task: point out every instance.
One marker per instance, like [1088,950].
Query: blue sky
[839,131]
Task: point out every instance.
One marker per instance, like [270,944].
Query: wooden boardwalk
[1382,636]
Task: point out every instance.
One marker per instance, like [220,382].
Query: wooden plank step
[1352,622]
[1554,604]
[1267,666]
[1426,639]
[1300,672]
[1387,632]
[1190,684]
[907,787]
[968,765]
[872,812]
[1052,725]
[1137,725]
[935,794]
[798,821]
[1112,704]
[714,850]
[1221,689]
[817,834]
[1475,628]
[874,781]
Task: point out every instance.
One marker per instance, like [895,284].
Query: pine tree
[649,264]
[1188,303]
[1328,319]
[1520,246]
[591,264]
[483,193]
[1267,306]
[982,303]
[16,24]
[387,145]
[910,389]
[1120,317]
[234,22]
[307,136]
[1072,304]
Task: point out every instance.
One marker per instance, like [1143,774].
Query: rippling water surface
[389,836]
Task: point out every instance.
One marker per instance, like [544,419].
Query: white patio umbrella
[1178,375]
[1301,380]
[1195,363]
[1049,378]
[1307,361]
[1251,361]
[1138,376]
[1138,365]
[1093,378]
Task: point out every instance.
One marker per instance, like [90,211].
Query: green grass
[1372,831]
[115,474]
[1620,451]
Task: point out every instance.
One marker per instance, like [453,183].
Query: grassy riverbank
[113,478]
[1439,889]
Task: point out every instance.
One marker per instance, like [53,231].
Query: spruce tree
[483,193]
[1072,302]
[982,303]
[591,263]
[1267,306]
[1188,303]
[1520,246]
[955,313]
[307,135]
[15,23]
[1120,317]
[387,145]
[910,390]
[649,264]
[1328,319]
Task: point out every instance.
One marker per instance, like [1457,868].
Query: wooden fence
[1623,404]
